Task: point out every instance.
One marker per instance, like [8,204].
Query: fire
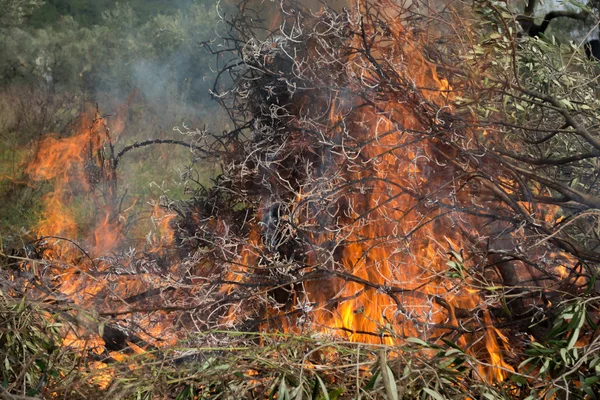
[499,369]
[83,225]
[76,165]
[388,276]
[388,256]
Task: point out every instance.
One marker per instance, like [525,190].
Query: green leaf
[335,394]
[446,363]
[433,394]
[273,389]
[21,305]
[493,288]
[41,365]
[581,6]
[564,355]
[589,391]
[519,380]
[418,342]
[574,183]
[372,381]
[186,393]
[528,361]
[297,393]
[457,256]
[393,387]
[591,284]
[453,345]
[323,388]
[453,351]
[545,366]
[573,339]
[282,393]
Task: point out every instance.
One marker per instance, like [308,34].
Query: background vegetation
[59,59]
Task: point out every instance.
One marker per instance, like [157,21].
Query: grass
[213,364]
[225,365]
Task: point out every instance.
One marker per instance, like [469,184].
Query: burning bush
[370,195]
[393,202]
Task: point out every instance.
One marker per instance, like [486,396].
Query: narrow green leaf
[323,388]
[393,387]
[453,345]
[527,361]
[591,284]
[418,341]
[41,365]
[282,393]
[371,384]
[573,339]
[433,394]
[564,355]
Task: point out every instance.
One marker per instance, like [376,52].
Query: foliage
[117,55]
[91,13]
[544,109]
[296,367]
[569,358]
[231,365]
[30,347]
[13,12]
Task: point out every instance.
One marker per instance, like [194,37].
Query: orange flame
[390,275]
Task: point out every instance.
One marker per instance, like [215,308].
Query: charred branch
[150,142]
